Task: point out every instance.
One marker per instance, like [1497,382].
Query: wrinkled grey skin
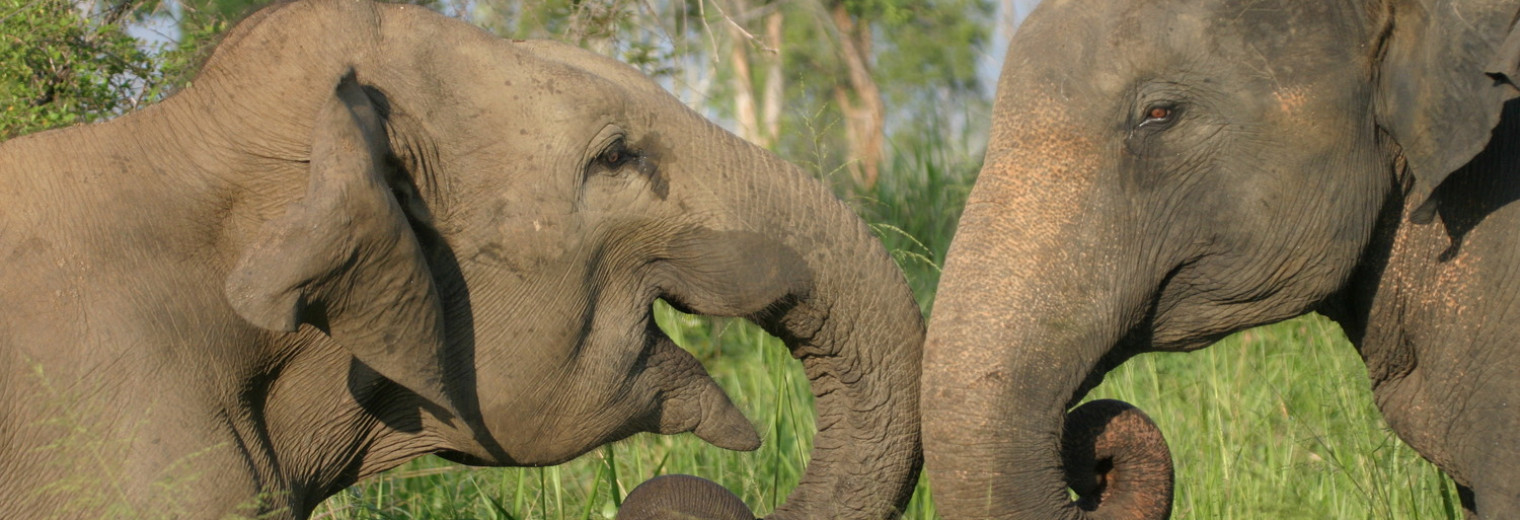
[368,233]
[1163,173]
[682,497]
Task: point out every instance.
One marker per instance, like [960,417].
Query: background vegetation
[887,100]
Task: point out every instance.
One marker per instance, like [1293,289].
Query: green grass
[1278,422]
[1275,422]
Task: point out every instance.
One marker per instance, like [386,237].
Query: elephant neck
[1426,310]
[1374,308]
[326,421]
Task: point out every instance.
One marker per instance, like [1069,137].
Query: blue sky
[1007,21]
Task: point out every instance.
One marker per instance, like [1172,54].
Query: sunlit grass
[1278,422]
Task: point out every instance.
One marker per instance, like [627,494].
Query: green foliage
[1279,422]
[916,206]
[931,46]
[58,67]
[200,17]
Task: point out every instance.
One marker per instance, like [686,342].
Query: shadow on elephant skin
[1488,182]
[458,357]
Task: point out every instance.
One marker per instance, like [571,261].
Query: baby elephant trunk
[682,497]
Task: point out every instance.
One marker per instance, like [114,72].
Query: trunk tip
[1117,460]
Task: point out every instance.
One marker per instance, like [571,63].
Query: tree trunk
[860,100]
[745,114]
[775,83]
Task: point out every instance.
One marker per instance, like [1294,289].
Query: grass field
[1275,422]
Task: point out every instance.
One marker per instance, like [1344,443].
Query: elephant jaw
[671,394]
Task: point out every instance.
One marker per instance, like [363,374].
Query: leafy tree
[879,73]
[64,62]
[823,82]
[58,67]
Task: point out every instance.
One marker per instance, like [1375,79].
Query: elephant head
[473,231]
[1159,175]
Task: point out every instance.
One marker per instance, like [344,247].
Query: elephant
[367,232]
[1161,174]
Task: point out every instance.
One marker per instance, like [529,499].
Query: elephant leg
[1492,498]
[1473,443]
[1485,438]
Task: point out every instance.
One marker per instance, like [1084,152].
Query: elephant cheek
[525,242]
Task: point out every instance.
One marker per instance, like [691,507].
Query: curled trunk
[1030,312]
[1117,461]
[846,313]
[998,442]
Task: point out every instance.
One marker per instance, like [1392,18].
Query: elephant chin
[1117,461]
[683,497]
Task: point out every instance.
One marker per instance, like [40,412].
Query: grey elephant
[368,232]
[1161,174]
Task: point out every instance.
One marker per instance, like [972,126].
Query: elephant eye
[1159,116]
[616,156]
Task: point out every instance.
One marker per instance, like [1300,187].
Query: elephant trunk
[1031,307]
[859,334]
[843,309]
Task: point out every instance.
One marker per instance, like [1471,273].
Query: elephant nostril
[1092,492]
[1103,472]
[1116,459]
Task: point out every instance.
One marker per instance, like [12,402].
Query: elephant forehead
[569,99]
[580,59]
[1276,42]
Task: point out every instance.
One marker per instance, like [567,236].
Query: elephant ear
[345,258]
[1446,73]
